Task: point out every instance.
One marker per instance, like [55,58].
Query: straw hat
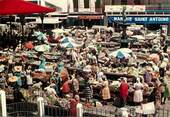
[12,79]
[148,68]
[163,64]
[18,68]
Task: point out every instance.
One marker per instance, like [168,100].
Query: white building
[66,9]
[81,4]
[62,9]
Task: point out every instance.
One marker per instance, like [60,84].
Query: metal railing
[116,112]
[163,113]
[56,111]
[101,112]
[24,109]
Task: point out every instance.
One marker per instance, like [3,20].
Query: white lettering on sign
[129,19]
[118,18]
[143,19]
[158,19]
[139,19]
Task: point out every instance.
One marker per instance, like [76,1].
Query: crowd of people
[80,73]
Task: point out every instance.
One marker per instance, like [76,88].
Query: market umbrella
[15,7]
[125,50]
[119,54]
[67,45]
[41,36]
[58,31]
[140,37]
[128,32]
[29,45]
[42,48]
[151,35]
[64,40]
[71,45]
[21,7]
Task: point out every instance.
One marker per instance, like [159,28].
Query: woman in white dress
[138,93]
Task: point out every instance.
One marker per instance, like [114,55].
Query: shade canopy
[119,54]
[16,7]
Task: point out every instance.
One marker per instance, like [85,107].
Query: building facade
[137,2]
[92,12]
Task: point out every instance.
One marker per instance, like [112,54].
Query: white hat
[87,68]
[18,68]
[165,60]
[163,64]
[2,68]
[68,96]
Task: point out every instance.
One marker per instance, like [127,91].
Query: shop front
[154,22]
[86,20]
[141,19]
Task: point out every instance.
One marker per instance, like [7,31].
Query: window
[75,2]
[113,1]
[124,2]
[86,3]
[137,2]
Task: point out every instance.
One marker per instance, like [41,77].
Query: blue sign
[141,19]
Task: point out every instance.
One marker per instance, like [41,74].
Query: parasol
[120,54]
[67,45]
[140,37]
[29,45]
[58,31]
[64,40]
[128,32]
[21,7]
[70,45]
[42,48]
[41,36]
[13,7]
[67,39]
[125,50]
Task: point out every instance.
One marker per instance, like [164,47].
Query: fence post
[3,110]
[40,102]
[79,109]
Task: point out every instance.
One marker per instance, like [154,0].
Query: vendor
[29,77]
[65,88]
[88,90]
[2,81]
[18,74]
[58,82]
[42,64]
[73,105]
[75,85]
[148,75]
[123,89]
[138,93]
[105,89]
